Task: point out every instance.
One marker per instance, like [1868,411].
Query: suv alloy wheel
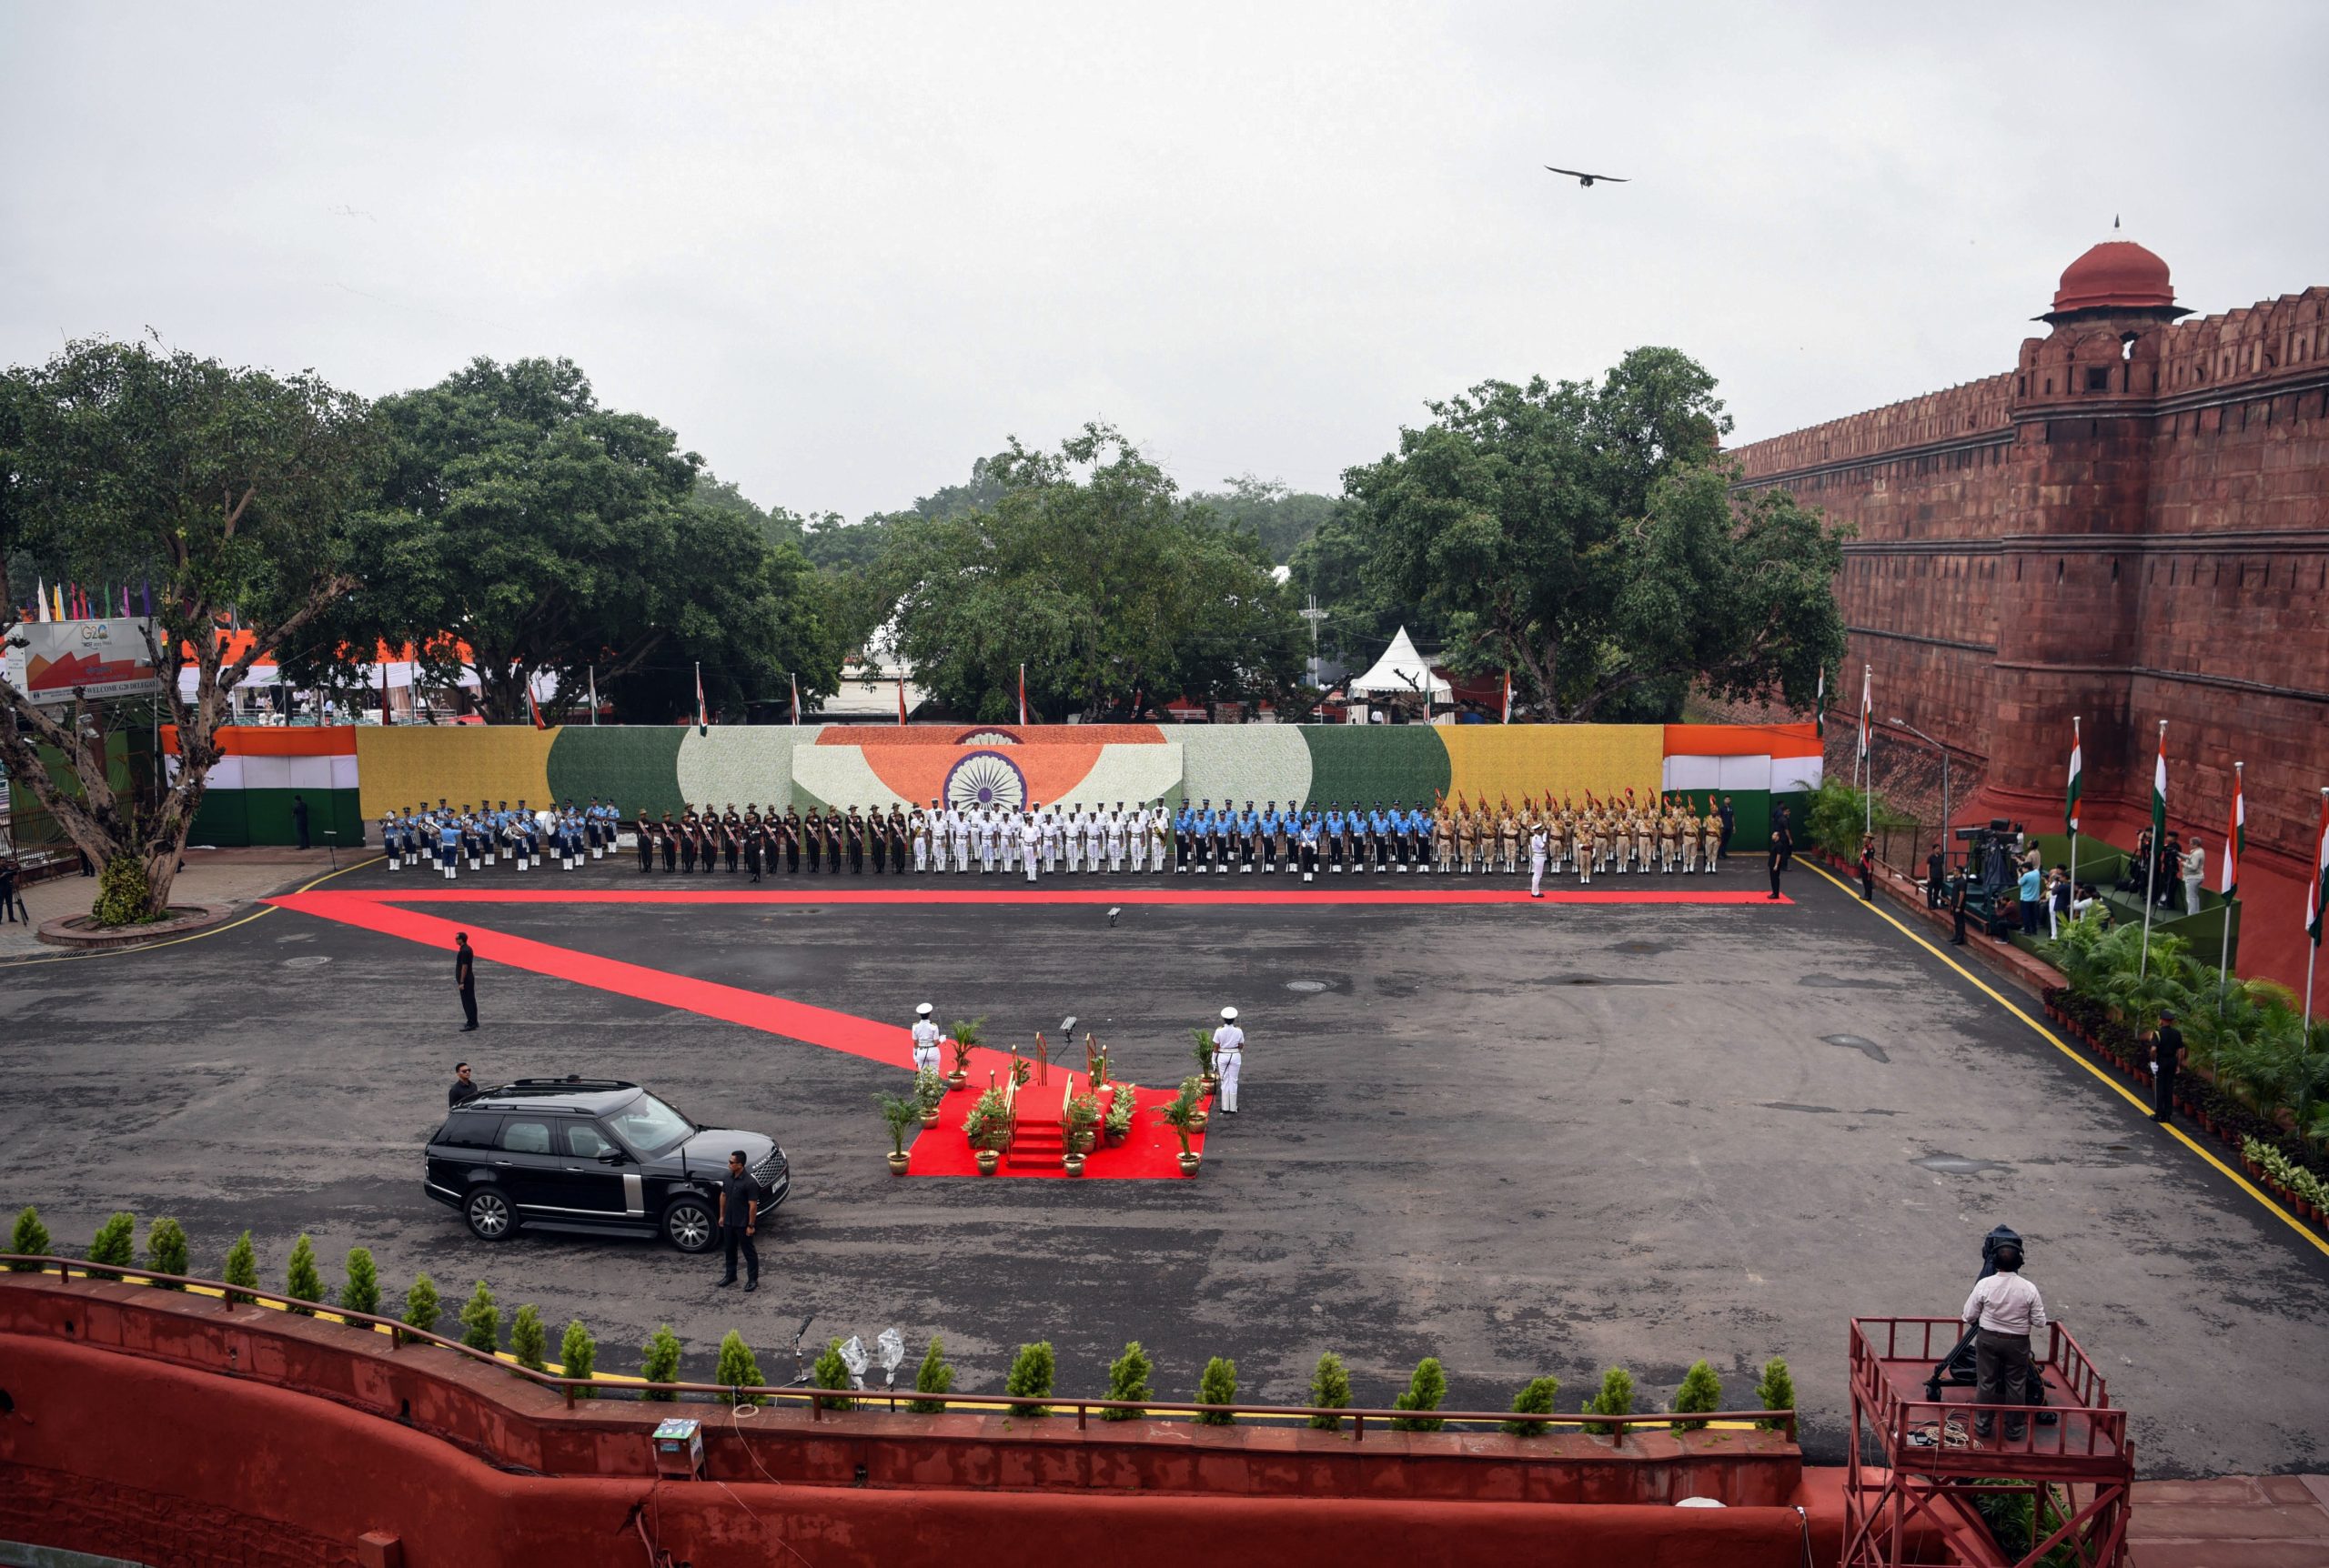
[489,1215]
[690,1225]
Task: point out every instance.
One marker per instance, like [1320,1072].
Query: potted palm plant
[1117,1123]
[965,1040]
[1204,1053]
[1184,1117]
[1197,1088]
[1083,1117]
[988,1129]
[929,1091]
[901,1113]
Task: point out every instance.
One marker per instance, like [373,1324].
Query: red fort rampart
[2130,525]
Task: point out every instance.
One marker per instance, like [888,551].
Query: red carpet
[439,893]
[1148,1153]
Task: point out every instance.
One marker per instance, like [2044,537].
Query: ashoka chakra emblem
[987,779]
[987,738]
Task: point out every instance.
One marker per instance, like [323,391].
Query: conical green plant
[242,1269]
[1329,1390]
[529,1339]
[165,1252]
[1535,1398]
[935,1376]
[1030,1377]
[738,1368]
[481,1321]
[1616,1398]
[29,1240]
[1216,1385]
[1128,1379]
[421,1307]
[116,1242]
[1700,1391]
[303,1286]
[660,1360]
[829,1370]
[577,1353]
[362,1292]
[1775,1391]
[1423,1391]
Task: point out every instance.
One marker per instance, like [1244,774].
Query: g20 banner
[93,658]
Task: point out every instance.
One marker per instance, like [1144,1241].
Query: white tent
[1400,672]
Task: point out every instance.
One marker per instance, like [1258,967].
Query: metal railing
[2090,1430]
[819,1399]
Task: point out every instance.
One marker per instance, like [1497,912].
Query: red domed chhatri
[2118,274]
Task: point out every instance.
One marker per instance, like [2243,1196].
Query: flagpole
[2230,872]
[2077,770]
[2157,836]
[2320,915]
[1868,748]
[594,695]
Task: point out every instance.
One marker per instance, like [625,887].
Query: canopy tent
[1401,672]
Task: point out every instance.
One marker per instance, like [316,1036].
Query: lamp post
[1937,746]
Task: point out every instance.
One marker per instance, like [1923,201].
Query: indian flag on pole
[1867,705]
[2236,839]
[2159,791]
[2314,922]
[2077,781]
[1819,706]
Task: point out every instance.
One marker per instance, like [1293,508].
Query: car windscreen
[649,1126]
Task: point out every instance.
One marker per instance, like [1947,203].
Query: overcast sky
[844,250]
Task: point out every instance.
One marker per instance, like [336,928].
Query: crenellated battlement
[1970,410]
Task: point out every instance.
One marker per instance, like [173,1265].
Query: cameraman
[2006,1310]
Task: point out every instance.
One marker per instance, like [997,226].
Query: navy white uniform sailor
[1228,1056]
[925,1041]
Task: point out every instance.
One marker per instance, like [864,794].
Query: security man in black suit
[739,1218]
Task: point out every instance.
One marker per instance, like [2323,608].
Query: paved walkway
[211,876]
[2231,1522]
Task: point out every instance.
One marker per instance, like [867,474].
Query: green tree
[1535,1398]
[116,1242]
[241,1268]
[1361,614]
[739,1368]
[1279,517]
[1584,536]
[529,1339]
[577,1353]
[1423,1391]
[1128,1379]
[421,1307]
[660,1360]
[481,1321]
[829,1370]
[1092,571]
[1616,1398]
[936,1376]
[524,531]
[29,1240]
[226,490]
[1031,1376]
[165,1250]
[1775,1390]
[361,1293]
[1701,1389]
[1217,1385]
[1329,1390]
[303,1285]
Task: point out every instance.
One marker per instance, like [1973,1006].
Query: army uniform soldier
[752,851]
[1589,847]
[646,846]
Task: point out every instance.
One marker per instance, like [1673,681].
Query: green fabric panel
[1752,812]
[636,766]
[267,817]
[1367,764]
[221,821]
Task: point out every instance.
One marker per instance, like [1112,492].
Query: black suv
[591,1154]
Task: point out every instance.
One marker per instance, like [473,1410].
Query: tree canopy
[523,530]
[1091,570]
[1584,537]
[231,491]
[1280,518]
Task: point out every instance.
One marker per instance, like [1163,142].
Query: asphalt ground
[1523,1138]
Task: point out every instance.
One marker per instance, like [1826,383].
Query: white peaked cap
[922,1011]
[1229,1014]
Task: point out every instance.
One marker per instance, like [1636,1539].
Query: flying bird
[1581,177]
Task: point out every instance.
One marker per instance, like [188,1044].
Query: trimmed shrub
[1775,1391]
[303,1285]
[165,1250]
[1616,1398]
[529,1339]
[1128,1379]
[1032,1372]
[935,1376]
[30,1239]
[1534,1399]
[242,1269]
[421,1307]
[1329,1390]
[1217,1386]
[123,892]
[577,1353]
[829,1370]
[1700,1391]
[116,1242]
[1425,1391]
[481,1321]
[738,1368]
[362,1292]
[659,1361]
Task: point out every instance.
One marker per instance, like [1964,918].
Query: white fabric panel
[1791,773]
[266,772]
[226,774]
[311,773]
[1684,773]
[343,772]
[1744,773]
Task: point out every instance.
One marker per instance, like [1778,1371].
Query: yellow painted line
[2117,1087]
[256,914]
